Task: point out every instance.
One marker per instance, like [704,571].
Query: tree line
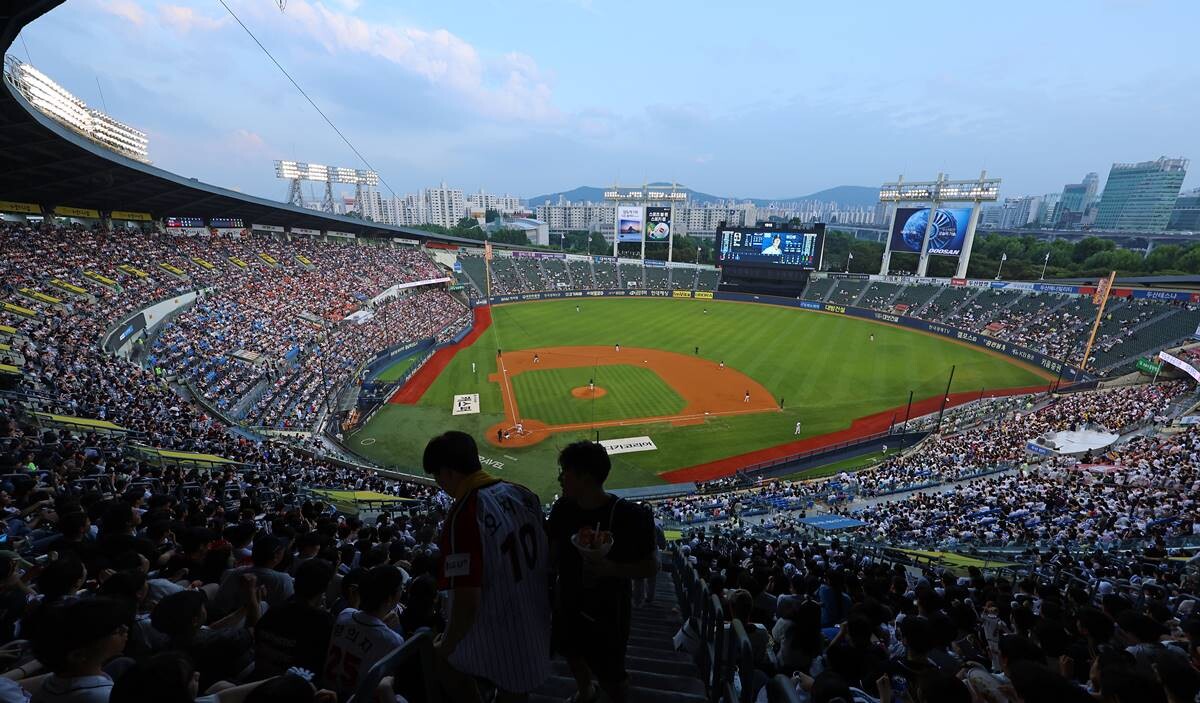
[1023,258]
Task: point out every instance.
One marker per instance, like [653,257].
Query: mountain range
[846,196]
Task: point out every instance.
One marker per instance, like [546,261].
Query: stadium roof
[45,163]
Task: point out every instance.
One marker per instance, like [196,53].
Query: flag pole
[487,269]
[1100,298]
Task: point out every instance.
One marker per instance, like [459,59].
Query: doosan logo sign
[627,445]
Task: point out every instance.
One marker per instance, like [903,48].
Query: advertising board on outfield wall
[1069,373]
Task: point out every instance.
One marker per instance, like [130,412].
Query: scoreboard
[226,222]
[183,221]
[792,246]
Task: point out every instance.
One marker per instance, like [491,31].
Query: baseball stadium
[656,450]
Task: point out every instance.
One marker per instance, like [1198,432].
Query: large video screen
[800,247]
[630,220]
[946,237]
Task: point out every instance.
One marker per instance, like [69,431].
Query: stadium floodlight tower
[936,194]
[297,172]
[647,211]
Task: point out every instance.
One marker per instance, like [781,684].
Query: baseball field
[712,385]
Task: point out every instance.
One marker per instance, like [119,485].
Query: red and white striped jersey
[493,540]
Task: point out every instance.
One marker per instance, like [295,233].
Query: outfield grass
[821,365]
[630,391]
[397,370]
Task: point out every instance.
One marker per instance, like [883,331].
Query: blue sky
[764,99]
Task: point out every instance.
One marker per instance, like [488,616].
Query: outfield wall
[1029,356]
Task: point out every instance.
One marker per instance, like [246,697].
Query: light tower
[297,171]
[936,193]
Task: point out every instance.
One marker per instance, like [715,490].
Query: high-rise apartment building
[445,206]
[1186,213]
[1139,197]
[1075,200]
[1019,212]
[503,204]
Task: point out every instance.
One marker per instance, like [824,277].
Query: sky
[748,99]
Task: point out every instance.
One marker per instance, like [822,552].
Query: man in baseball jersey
[362,637]
[593,595]
[495,566]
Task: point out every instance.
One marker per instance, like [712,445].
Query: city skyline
[539,96]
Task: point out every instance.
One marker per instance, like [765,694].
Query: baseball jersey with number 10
[493,539]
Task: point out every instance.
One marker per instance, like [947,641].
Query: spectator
[74,643]
[495,570]
[592,614]
[296,633]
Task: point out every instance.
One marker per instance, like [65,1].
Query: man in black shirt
[297,632]
[592,597]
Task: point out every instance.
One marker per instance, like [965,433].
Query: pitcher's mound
[585,392]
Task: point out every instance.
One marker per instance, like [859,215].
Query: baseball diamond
[798,365]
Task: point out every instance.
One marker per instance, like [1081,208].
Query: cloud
[246,142]
[510,87]
[125,9]
[185,19]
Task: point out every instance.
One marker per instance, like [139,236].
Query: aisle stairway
[657,672]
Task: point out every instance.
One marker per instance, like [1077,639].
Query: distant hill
[847,196]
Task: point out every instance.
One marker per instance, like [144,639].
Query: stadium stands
[581,274]
[683,279]
[879,295]
[817,289]
[658,278]
[707,279]
[632,276]
[847,291]
[968,486]
[605,275]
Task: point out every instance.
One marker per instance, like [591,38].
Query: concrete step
[559,688]
[657,653]
[669,667]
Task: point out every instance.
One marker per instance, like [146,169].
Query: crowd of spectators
[67,372]
[853,625]
[153,578]
[1142,489]
[270,319]
[994,444]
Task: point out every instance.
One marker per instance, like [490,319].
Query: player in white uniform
[361,637]
[495,559]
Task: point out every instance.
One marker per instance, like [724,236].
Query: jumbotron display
[798,246]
